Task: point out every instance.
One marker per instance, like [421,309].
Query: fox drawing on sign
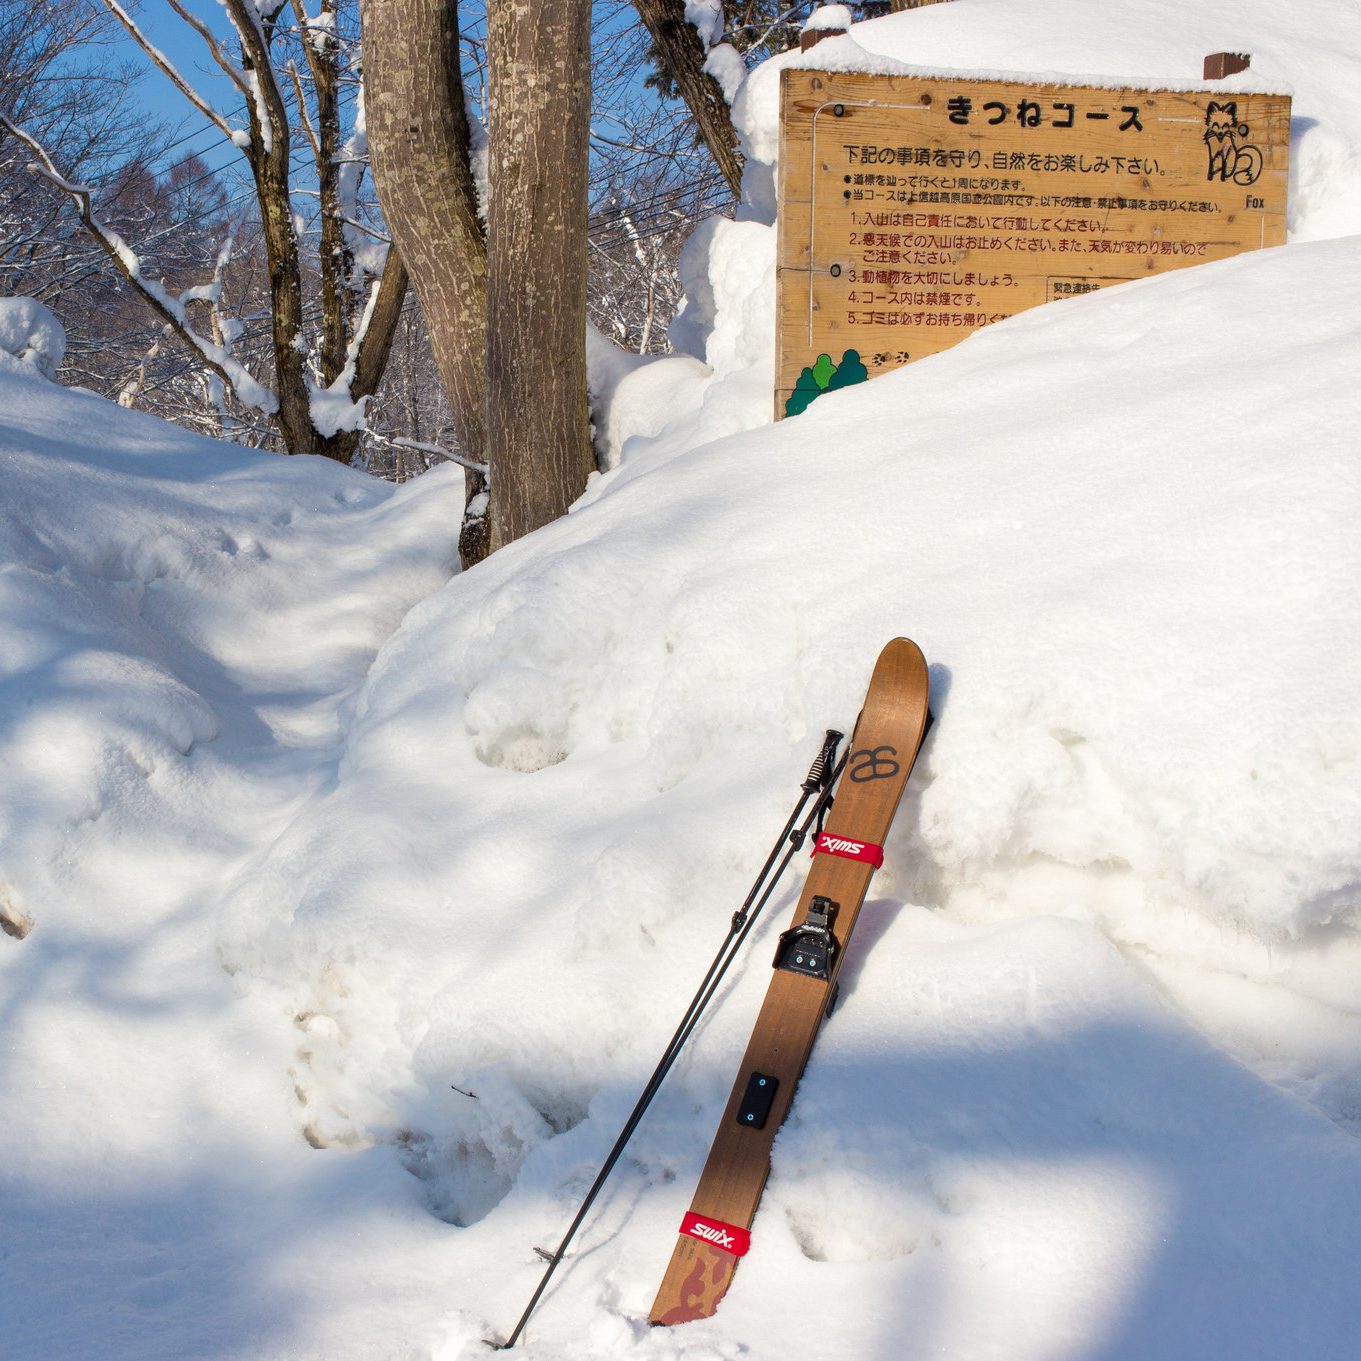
[1230,160]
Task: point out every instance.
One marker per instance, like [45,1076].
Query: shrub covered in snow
[32,334]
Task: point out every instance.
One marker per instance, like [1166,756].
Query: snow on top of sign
[845,55]
[835,17]
[1067,42]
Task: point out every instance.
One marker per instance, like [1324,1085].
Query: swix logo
[718,1237]
[865,851]
[840,846]
[726,1236]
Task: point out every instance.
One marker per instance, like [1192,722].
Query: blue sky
[193,133]
[190,55]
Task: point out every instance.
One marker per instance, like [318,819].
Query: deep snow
[303,840]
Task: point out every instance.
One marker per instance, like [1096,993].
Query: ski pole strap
[717,1234]
[847,849]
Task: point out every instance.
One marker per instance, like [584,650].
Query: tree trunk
[336,264]
[682,56]
[269,165]
[539,446]
[419,144]
[376,346]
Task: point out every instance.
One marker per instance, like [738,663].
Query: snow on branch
[707,18]
[233,72]
[248,18]
[171,307]
[170,71]
[722,60]
[335,408]
[400,442]
[369,255]
[319,33]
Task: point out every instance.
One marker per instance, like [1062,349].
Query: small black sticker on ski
[756,1101]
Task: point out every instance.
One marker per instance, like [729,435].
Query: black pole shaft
[821,778]
[742,928]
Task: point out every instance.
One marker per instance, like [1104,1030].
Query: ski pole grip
[817,772]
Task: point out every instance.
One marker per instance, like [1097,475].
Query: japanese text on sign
[915,210]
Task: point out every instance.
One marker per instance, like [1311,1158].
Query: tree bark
[419,145]
[323,59]
[269,128]
[539,446]
[376,345]
[682,56]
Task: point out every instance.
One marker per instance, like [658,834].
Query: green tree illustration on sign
[824,376]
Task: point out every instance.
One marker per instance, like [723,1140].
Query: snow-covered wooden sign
[915,209]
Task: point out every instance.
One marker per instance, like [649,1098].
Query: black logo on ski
[873,763]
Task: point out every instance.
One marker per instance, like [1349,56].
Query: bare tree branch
[233,72]
[373,343]
[306,117]
[170,307]
[169,70]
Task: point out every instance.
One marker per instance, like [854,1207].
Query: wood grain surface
[915,210]
[889,733]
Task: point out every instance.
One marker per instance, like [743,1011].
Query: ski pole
[820,779]
[743,923]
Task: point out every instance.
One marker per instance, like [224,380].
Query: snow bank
[30,333]
[1123,540]
[178,622]
[1309,53]
[720,380]
[153,581]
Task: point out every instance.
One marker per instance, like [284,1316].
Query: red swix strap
[715,1232]
[848,849]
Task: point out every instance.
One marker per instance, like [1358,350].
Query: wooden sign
[915,210]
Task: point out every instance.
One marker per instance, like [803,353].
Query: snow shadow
[1117,1192]
[1109,1189]
[133,1225]
[195,1265]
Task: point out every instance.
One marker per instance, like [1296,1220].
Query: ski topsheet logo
[714,1231]
[865,851]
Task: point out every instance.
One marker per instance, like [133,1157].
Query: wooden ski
[716,1231]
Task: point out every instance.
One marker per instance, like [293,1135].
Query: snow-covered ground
[348,903]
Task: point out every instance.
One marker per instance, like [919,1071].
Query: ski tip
[904,652]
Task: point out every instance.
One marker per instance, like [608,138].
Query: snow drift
[30,333]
